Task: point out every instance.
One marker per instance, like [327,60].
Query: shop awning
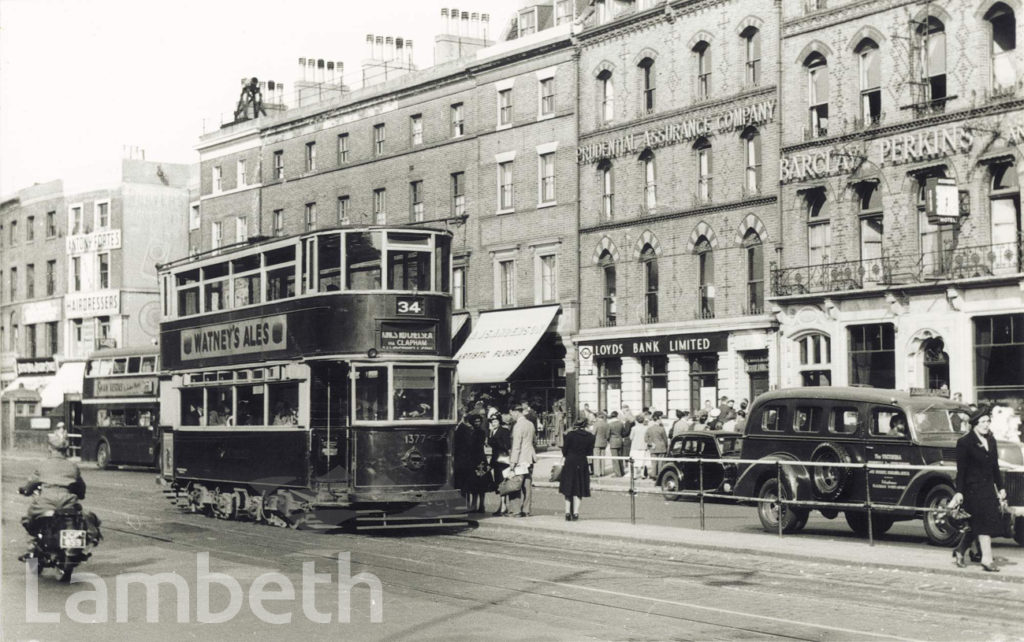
[458,322]
[500,341]
[68,380]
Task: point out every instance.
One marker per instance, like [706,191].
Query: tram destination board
[408,337]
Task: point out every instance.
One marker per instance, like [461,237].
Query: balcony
[998,259]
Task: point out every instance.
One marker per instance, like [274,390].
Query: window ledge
[499,128]
[546,116]
[508,211]
[542,206]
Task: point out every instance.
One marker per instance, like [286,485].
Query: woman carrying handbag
[499,438]
[574,482]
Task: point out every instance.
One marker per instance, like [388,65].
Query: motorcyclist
[59,484]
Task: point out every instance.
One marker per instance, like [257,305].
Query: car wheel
[770,510]
[858,522]
[802,515]
[1018,530]
[103,456]
[670,486]
[939,533]
[830,482]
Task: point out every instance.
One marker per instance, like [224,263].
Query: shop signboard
[659,344]
[941,200]
[586,360]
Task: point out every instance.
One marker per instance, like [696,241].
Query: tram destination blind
[408,337]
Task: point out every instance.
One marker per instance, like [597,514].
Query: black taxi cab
[815,432]
[698,464]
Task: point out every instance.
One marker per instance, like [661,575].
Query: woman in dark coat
[574,482]
[480,478]
[500,440]
[979,487]
[463,460]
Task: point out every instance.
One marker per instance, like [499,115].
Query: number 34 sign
[410,305]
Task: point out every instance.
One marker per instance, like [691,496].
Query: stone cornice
[830,17]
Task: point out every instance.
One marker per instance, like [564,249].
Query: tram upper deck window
[414,393]
[362,260]
[328,258]
[372,393]
[215,287]
[281,280]
[247,280]
[188,293]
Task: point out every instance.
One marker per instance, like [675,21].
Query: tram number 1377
[409,305]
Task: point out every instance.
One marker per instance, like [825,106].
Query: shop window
[815,360]
[609,384]
[607,265]
[754,250]
[705,278]
[654,375]
[931,42]
[646,68]
[649,261]
[1003,25]
[998,355]
[752,46]
[703,381]
[873,355]
[817,95]
[869,61]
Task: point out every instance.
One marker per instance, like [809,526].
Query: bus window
[362,260]
[283,401]
[103,368]
[281,283]
[250,405]
[192,407]
[120,366]
[328,258]
[443,260]
[148,364]
[218,404]
[148,418]
[102,417]
[133,365]
[117,416]
[131,417]
[414,392]
[446,393]
[408,270]
[372,393]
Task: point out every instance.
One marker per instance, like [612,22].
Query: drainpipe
[572,396]
[778,196]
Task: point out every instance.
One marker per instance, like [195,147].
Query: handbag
[504,459]
[510,485]
[556,473]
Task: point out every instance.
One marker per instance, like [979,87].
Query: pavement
[844,552]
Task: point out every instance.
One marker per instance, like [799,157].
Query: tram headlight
[372,353]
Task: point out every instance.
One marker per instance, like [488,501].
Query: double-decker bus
[310,379]
[120,416]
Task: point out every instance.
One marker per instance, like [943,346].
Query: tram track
[619,567]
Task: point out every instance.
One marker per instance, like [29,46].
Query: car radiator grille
[949,454]
[1014,484]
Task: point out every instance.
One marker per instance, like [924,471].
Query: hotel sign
[125,387]
[35,367]
[670,344]
[676,132]
[262,334]
[92,304]
[95,242]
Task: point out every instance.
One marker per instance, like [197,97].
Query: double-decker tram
[120,418]
[309,379]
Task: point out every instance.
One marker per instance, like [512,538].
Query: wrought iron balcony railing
[995,259]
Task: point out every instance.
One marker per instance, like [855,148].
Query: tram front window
[414,393]
[362,260]
[372,393]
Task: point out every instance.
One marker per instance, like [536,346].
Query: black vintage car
[695,474]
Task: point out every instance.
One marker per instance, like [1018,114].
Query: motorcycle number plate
[72,539]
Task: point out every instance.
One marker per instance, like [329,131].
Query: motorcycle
[61,539]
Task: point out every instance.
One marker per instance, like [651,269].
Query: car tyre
[858,522]
[103,456]
[830,482]
[770,510]
[670,486]
[1018,530]
[938,533]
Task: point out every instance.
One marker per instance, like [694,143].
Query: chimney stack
[408,52]
[444,20]
[484,23]
[369,45]
[389,48]
[454,24]
[302,67]
[378,47]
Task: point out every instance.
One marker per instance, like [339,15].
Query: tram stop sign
[941,200]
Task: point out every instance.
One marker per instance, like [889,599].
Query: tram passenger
[284,415]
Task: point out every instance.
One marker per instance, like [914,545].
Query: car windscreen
[940,421]
[729,444]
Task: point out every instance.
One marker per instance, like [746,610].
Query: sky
[82,80]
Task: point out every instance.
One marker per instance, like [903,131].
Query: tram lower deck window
[372,393]
[414,392]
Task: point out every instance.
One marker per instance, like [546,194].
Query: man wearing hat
[523,456]
[59,484]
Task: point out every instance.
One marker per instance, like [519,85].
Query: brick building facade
[900,170]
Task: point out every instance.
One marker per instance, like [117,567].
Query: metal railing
[869,506]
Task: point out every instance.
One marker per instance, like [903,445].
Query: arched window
[752,155]
[1003,26]
[869,61]
[752,44]
[606,92]
[754,250]
[607,190]
[607,265]
[1004,202]
[817,94]
[936,364]
[819,227]
[704,169]
[706,279]
[646,67]
[703,52]
[931,35]
[815,360]
[650,180]
[649,261]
